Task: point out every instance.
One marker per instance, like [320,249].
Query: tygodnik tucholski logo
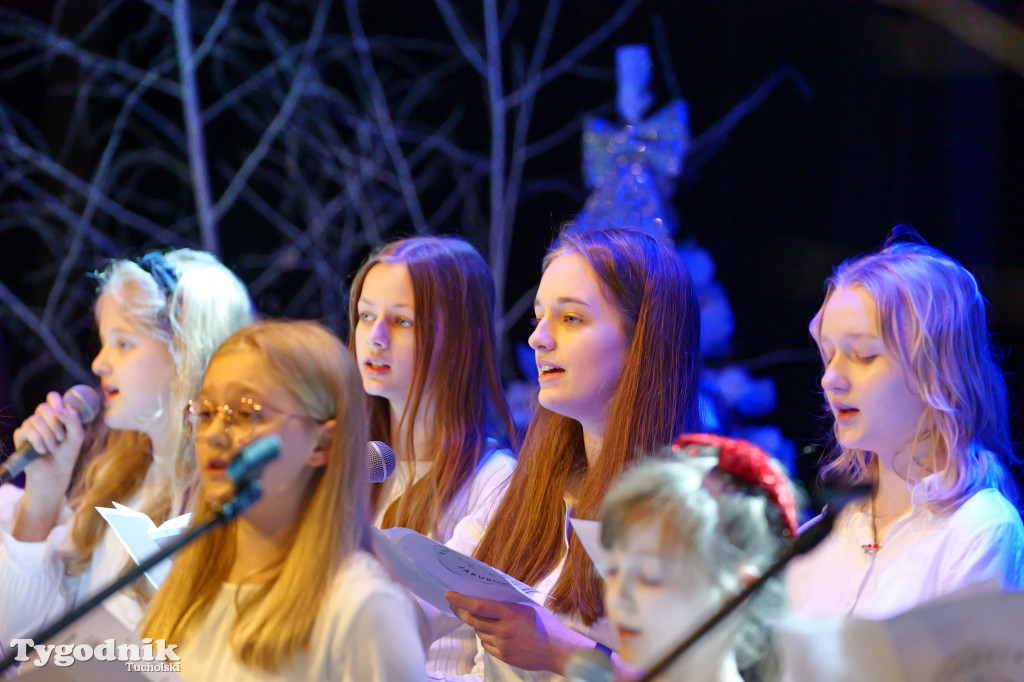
[150,656]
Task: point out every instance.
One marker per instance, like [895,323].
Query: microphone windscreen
[380,461]
[589,665]
[249,463]
[84,400]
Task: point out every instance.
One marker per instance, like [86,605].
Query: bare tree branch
[382,114]
[567,62]
[466,44]
[201,190]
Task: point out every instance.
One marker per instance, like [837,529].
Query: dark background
[907,123]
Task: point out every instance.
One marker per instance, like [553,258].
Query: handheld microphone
[380,461]
[82,399]
[589,665]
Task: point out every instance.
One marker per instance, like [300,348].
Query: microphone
[250,462]
[589,665]
[254,457]
[380,461]
[82,399]
[245,468]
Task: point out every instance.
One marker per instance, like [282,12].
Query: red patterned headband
[747,463]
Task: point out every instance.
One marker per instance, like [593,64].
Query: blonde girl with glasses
[159,321]
[289,590]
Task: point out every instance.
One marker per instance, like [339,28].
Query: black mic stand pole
[246,496]
[805,543]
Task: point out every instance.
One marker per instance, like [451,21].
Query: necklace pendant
[871,549]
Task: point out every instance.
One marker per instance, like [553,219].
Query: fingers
[43,430]
[69,418]
[491,648]
[52,424]
[483,608]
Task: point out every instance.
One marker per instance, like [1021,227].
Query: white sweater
[922,555]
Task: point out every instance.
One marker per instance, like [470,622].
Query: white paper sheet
[973,635]
[141,537]
[428,569]
[589,533]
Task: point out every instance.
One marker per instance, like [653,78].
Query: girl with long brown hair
[288,590]
[422,331]
[616,344]
[159,321]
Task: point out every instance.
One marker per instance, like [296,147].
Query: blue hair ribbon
[163,273]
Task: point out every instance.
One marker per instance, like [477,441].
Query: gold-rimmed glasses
[242,417]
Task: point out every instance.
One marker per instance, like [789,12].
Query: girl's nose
[540,339]
[377,337]
[834,379]
[100,366]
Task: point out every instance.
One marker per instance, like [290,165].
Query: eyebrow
[363,301]
[122,330]
[563,300]
[236,390]
[857,337]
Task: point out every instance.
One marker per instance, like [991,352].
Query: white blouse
[34,590]
[366,632]
[921,556]
[461,527]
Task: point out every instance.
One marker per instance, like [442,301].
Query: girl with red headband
[682,537]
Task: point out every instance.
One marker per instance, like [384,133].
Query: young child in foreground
[684,535]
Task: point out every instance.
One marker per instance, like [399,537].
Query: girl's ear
[324,440]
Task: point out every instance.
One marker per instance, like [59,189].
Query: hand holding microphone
[55,429]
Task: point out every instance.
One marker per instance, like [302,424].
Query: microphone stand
[805,543]
[247,494]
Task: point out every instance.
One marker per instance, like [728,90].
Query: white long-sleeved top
[461,528]
[366,632]
[922,555]
[34,590]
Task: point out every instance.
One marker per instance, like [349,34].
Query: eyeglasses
[242,418]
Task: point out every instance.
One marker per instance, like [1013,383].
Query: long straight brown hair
[459,378]
[655,399]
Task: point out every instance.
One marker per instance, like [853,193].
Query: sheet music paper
[428,569]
